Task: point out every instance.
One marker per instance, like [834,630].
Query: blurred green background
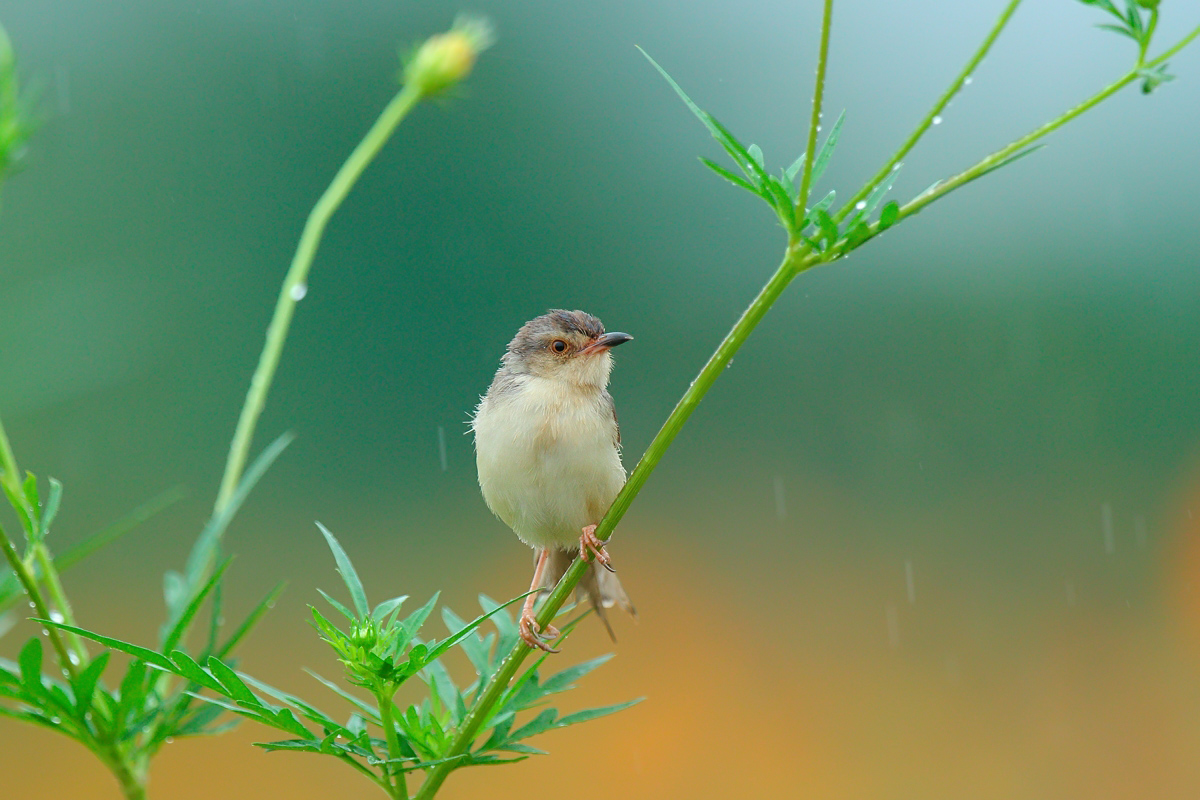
[931,536]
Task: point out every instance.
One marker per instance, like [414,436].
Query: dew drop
[818,129]
[55,721]
[860,205]
[937,120]
[57,616]
[898,166]
[967,80]
[299,290]
[45,632]
[170,740]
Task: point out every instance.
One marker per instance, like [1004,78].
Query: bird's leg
[592,547]
[531,632]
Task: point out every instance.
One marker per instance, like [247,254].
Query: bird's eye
[558,346]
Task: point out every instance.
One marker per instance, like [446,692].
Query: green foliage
[15,124]
[1137,22]
[379,651]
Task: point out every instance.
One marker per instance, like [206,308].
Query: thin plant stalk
[294,284]
[798,258]
[955,87]
[814,123]
[397,782]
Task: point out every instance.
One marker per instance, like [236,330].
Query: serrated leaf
[186,667]
[353,584]
[517,747]
[594,713]
[544,721]
[561,681]
[307,709]
[145,654]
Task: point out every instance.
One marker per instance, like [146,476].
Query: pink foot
[590,547]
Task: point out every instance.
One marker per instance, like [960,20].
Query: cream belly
[548,459]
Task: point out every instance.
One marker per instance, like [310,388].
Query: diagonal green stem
[796,259]
[814,122]
[934,112]
[294,286]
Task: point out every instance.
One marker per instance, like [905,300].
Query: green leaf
[84,685]
[411,624]
[1121,29]
[173,635]
[542,722]
[736,180]
[368,709]
[756,155]
[132,692]
[259,610]
[593,713]
[353,584]
[51,509]
[30,662]
[874,198]
[789,175]
[387,607]
[21,505]
[887,217]
[821,205]
[186,667]
[740,155]
[308,710]
[826,151]
[341,609]
[562,681]
[237,690]
[829,228]
[145,654]
[1006,161]
[204,551]
[517,747]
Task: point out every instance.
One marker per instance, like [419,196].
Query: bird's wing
[612,407]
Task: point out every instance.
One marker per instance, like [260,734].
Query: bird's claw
[592,547]
[532,634]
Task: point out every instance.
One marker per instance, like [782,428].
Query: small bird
[548,451]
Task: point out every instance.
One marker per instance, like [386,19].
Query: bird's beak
[605,342]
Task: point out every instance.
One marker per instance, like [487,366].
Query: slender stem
[795,259]
[934,112]
[39,603]
[10,475]
[814,122]
[294,284]
[59,596]
[397,781]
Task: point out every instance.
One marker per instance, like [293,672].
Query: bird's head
[568,346]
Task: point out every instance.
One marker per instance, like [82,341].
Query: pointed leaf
[176,632]
[562,681]
[30,662]
[186,667]
[368,709]
[593,713]
[143,653]
[387,607]
[84,685]
[353,584]
[341,609]
[233,684]
[539,724]
[826,151]
[887,217]
[736,180]
[259,610]
[51,509]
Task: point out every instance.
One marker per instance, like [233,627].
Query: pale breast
[548,459]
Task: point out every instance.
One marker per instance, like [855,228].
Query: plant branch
[29,584]
[814,122]
[396,781]
[294,286]
[934,112]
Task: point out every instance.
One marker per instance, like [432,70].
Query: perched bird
[548,452]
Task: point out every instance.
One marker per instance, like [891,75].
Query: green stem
[10,475]
[59,597]
[934,112]
[39,603]
[397,782]
[795,260]
[814,122]
[294,284]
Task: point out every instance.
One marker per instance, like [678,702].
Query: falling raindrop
[937,120]
[909,582]
[1106,525]
[298,291]
[442,447]
[1070,593]
[780,499]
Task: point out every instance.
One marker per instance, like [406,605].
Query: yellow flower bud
[447,58]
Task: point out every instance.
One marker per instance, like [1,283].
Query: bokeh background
[930,536]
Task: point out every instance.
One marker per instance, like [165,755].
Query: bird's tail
[598,585]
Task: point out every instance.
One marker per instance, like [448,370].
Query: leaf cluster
[379,651]
[1138,22]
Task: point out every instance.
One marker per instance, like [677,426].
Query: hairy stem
[814,122]
[294,286]
[938,107]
